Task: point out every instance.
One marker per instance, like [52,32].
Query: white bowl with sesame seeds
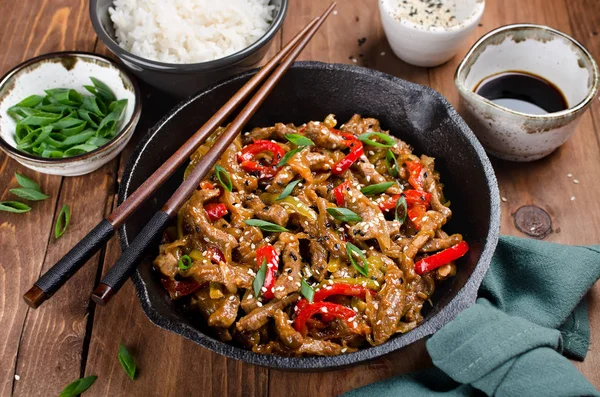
[429,32]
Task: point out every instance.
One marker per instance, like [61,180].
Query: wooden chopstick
[68,265]
[126,264]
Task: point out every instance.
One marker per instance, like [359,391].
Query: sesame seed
[335,12]
[290,278]
[569,175]
[354,60]
[263,289]
[344,350]
[382,53]
[250,296]
[324,309]
[575,181]
[378,322]
[17,377]
[532,228]
[504,199]
[232,298]
[259,304]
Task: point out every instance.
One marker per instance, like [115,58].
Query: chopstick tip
[35,297]
[102,294]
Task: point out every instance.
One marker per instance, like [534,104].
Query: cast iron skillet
[309,91]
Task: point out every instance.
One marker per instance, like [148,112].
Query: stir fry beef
[289,280]
[265,250]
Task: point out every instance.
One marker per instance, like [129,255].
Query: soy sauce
[523,92]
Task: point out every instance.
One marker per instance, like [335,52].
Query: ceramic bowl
[67,70]
[182,80]
[424,45]
[417,114]
[535,49]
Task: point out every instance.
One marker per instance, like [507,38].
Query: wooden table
[43,350]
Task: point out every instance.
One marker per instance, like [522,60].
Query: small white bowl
[429,46]
[538,50]
[67,70]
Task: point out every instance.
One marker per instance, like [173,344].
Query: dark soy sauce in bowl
[523,92]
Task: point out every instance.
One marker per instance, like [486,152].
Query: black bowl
[182,80]
[309,91]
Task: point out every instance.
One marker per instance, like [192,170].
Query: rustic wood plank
[26,32]
[184,368]
[544,183]
[584,16]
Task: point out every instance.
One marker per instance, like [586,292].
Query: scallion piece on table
[64,217]
[127,362]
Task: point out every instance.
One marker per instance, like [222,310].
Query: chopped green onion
[388,141]
[401,204]
[288,189]
[352,250]
[259,280]
[376,189]
[266,226]
[289,155]
[223,177]
[62,221]
[344,214]
[307,291]
[127,362]
[78,387]
[23,181]
[391,163]
[14,206]
[29,193]
[299,140]
[57,124]
[185,262]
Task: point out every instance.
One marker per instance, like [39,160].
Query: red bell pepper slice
[330,309]
[178,289]
[415,178]
[441,258]
[215,255]
[341,289]
[247,158]
[215,211]
[416,213]
[268,254]
[413,197]
[356,150]
[338,191]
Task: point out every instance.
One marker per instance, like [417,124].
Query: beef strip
[272,213]
[391,306]
[323,137]
[290,277]
[318,258]
[373,225]
[288,335]
[226,312]
[238,276]
[196,217]
[260,316]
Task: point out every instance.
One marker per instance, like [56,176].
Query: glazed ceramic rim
[529,26]
[465,24]
[123,133]
[215,64]
[462,298]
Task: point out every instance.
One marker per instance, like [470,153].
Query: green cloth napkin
[529,315]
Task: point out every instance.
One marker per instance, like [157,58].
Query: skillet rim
[462,299]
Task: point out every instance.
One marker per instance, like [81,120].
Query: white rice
[189,31]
